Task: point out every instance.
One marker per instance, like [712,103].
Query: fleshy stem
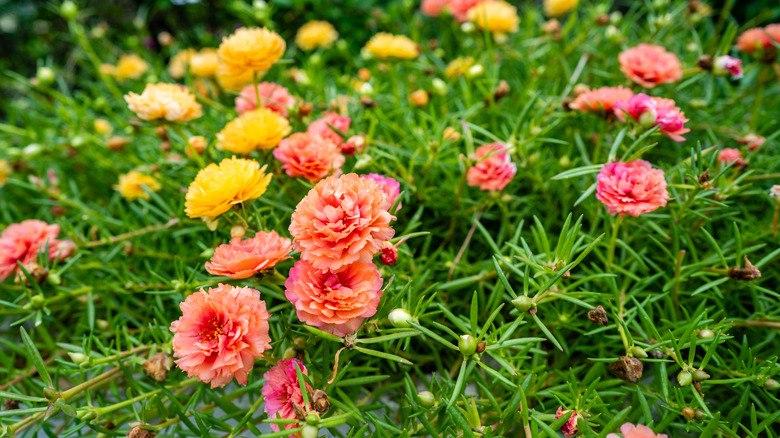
[613,242]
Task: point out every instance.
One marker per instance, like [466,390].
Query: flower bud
[312,418]
[613,34]
[78,358]
[523,303]
[700,375]
[400,318]
[647,119]
[157,366]
[468,27]
[310,431]
[389,254]
[688,413]
[45,76]
[439,86]
[418,98]
[706,334]
[289,353]
[426,399]
[475,70]
[366,89]
[237,231]
[771,384]
[69,10]
[684,378]
[467,345]
[638,352]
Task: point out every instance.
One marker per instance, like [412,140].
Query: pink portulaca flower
[494,168]
[282,392]
[220,334]
[356,143]
[730,155]
[601,100]
[23,241]
[336,302]
[272,96]
[651,111]
[433,8]
[639,431]
[309,156]
[752,141]
[389,186]
[569,428]
[320,127]
[631,188]
[650,65]
[244,258]
[726,65]
[341,220]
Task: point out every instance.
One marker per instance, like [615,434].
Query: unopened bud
[613,34]
[771,384]
[439,86]
[157,366]
[522,303]
[467,345]
[400,318]
[310,431]
[647,119]
[638,352]
[700,375]
[237,232]
[45,76]
[312,418]
[688,413]
[475,70]
[389,254]
[289,353]
[426,399]
[468,27]
[69,10]
[706,334]
[78,358]
[684,378]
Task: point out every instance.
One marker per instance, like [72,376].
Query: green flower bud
[476,70]
[684,378]
[426,399]
[467,345]
[638,352]
[647,119]
[706,334]
[771,384]
[439,86]
[400,318]
[313,418]
[523,303]
[69,10]
[310,431]
[45,76]
[700,375]
[78,358]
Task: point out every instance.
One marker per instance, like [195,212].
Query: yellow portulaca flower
[458,67]
[497,17]
[131,185]
[171,102]
[130,66]
[203,64]
[257,129]
[249,49]
[556,8]
[5,170]
[103,127]
[384,46]
[316,34]
[177,66]
[217,188]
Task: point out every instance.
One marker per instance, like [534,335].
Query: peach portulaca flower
[172,102]
[220,334]
[730,155]
[389,186]
[282,391]
[651,111]
[494,168]
[341,220]
[639,431]
[335,302]
[758,41]
[322,127]
[433,8]
[23,241]
[601,100]
[631,188]
[272,96]
[244,258]
[650,65]
[309,156]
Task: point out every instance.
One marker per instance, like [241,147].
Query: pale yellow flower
[131,185]
[258,129]
[108,69]
[316,34]
[204,63]
[458,67]
[233,80]
[103,127]
[171,102]
[497,17]
[384,46]
[177,66]
[217,188]
[130,66]
[556,8]
[5,170]
[249,49]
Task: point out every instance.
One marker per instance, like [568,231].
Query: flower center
[211,330]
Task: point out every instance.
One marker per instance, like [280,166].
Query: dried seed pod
[481,347]
[157,366]
[628,368]
[137,432]
[598,316]
[688,413]
[747,273]
[10,404]
[300,411]
[320,402]
[704,62]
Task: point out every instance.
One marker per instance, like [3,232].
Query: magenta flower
[654,111]
[726,65]
[282,392]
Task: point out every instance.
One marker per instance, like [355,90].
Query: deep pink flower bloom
[23,241]
[336,302]
[272,96]
[309,156]
[433,8]
[639,431]
[390,187]
[220,334]
[729,155]
[752,141]
[282,391]
[320,127]
[569,428]
[650,65]
[341,220]
[650,111]
[356,143]
[494,168]
[726,65]
[631,188]
[245,258]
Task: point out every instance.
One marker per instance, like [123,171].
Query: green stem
[613,242]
